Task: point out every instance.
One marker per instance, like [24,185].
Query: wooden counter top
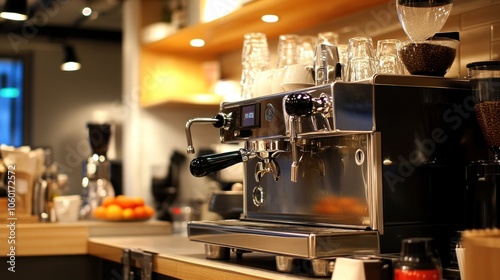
[175,255]
[49,239]
[178,257]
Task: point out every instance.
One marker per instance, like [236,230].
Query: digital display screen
[250,116]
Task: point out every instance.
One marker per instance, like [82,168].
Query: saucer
[295,86]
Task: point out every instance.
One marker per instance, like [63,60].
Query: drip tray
[307,242]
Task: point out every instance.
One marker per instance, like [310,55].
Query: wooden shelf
[226,34]
[172,72]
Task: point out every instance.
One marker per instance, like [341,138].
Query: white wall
[151,135]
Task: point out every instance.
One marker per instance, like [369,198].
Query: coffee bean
[488,116]
[427,58]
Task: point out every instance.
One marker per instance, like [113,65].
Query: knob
[299,104]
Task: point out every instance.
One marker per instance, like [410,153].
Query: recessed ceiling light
[270,18]
[197,43]
[87,11]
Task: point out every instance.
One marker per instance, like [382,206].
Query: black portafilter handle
[208,164]
[299,104]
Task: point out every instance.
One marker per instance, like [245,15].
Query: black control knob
[299,104]
[208,164]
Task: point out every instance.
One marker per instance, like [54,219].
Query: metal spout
[219,121]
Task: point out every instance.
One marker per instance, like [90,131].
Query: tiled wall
[480,32]
[478,22]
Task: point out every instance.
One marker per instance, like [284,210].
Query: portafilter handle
[219,121]
[208,164]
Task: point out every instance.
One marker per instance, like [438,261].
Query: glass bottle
[417,261]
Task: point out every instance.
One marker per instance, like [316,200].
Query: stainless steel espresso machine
[344,169]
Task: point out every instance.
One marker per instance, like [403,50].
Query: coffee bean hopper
[344,169]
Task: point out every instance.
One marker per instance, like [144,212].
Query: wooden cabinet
[173,71]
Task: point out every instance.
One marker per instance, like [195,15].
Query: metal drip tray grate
[284,239]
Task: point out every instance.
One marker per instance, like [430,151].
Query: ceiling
[64,19]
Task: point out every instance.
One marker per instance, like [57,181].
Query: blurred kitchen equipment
[96,184]
[361,61]
[165,190]
[228,204]
[49,185]
[328,171]
[484,174]
[254,58]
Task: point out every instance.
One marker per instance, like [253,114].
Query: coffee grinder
[96,184]
[484,175]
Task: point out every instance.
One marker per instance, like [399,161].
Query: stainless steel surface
[290,240]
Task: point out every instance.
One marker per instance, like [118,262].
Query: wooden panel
[47,239]
[226,33]
[170,78]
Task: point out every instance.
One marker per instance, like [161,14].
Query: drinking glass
[287,50]
[305,50]
[287,55]
[343,59]
[254,58]
[361,64]
[388,61]
[326,58]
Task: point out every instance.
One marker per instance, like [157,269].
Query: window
[12,101]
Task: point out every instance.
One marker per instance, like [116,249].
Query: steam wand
[219,121]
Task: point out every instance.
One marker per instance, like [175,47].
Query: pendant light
[15,10]
[70,62]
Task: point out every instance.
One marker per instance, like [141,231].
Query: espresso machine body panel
[428,134]
[334,184]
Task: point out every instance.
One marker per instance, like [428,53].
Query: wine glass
[422,19]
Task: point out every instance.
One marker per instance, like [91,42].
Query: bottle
[417,261]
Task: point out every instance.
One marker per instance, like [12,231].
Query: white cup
[298,76]
[278,76]
[264,83]
[67,208]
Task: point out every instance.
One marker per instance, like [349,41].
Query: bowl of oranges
[123,208]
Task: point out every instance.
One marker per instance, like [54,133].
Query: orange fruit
[137,201]
[100,212]
[140,212]
[114,212]
[128,214]
[149,211]
[108,201]
[124,201]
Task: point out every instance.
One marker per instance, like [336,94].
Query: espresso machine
[344,169]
